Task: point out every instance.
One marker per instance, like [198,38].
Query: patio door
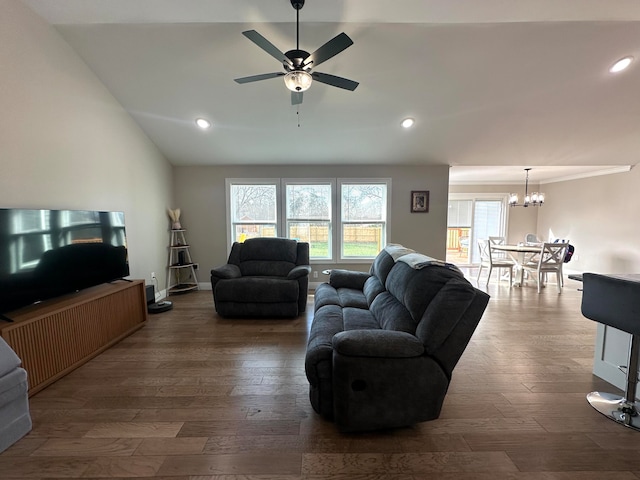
[470,218]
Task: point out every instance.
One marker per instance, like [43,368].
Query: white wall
[65,142]
[200,193]
[599,215]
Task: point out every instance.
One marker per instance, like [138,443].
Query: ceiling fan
[298,63]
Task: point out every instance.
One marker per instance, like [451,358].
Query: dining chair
[487,260]
[532,239]
[498,241]
[550,260]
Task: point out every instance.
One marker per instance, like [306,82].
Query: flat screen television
[48,253]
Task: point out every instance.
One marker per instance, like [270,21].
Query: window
[363,218]
[305,209]
[253,209]
[472,217]
[308,216]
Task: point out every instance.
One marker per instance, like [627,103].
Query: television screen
[47,253]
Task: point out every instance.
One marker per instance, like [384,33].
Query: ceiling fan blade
[267,46]
[335,81]
[296,98]
[255,78]
[329,49]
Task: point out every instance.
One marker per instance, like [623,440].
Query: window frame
[340,223]
[229,182]
[503,198]
[332,197]
[336,224]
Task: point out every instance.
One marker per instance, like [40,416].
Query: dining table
[521,254]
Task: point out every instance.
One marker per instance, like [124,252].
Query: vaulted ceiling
[489,82]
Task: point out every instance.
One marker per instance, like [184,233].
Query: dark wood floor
[194,397]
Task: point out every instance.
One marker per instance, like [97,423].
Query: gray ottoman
[15,421]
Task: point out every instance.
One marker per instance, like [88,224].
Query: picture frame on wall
[419,201]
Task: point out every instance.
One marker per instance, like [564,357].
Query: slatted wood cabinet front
[57,336]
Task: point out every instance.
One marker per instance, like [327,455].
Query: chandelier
[534,199]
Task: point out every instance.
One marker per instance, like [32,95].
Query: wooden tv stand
[56,336]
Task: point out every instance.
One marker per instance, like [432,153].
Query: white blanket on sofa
[396,250]
[419,261]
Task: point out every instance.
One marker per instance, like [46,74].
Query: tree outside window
[253,211]
[363,219]
[308,217]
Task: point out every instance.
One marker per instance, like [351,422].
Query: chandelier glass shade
[298,80]
[534,199]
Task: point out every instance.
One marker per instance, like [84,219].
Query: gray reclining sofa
[383,345]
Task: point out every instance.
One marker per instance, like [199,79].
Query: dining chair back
[495,254]
[550,260]
[487,260]
[532,239]
[497,240]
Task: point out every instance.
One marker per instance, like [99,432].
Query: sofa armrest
[377,343]
[226,271]
[8,359]
[348,279]
[299,271]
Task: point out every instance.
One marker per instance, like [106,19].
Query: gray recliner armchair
[263,277]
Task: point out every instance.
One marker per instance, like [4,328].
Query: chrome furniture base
[624,410]
[614,300]
[616,408]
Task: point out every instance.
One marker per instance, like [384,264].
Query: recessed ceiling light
[407,122]
[621,64]
[203,123]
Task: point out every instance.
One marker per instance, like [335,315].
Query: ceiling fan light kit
[535,199]
[298,80]
[298,63]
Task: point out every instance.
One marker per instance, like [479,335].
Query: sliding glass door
[470,218]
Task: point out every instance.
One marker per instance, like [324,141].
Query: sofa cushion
[372,288]
[268,257]
[381,266]
[257,290]
[325,294]
[350,297]
[444,312]
[273,249]
[358,319]
[416,288]
[265,268]
[391,314]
